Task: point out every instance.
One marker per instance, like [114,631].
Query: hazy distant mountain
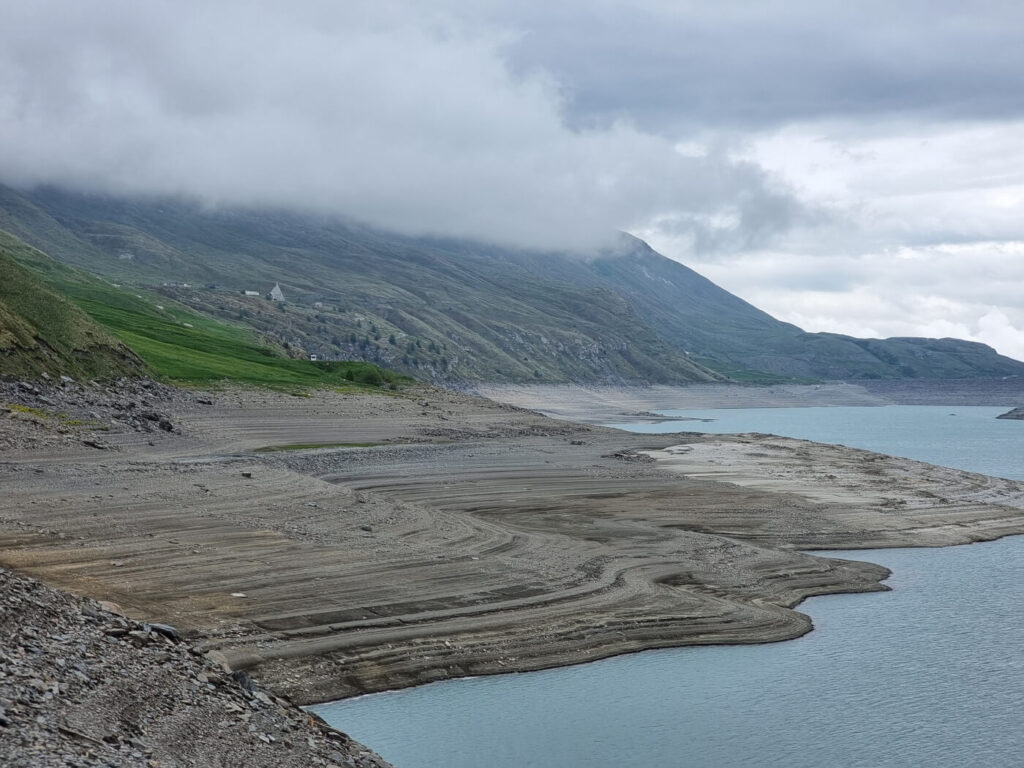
[728,334]
[458,311]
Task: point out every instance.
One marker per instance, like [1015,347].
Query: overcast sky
[852,167]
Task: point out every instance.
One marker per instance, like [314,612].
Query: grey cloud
[758,212]
[404,119]
[675,64]
[961,291]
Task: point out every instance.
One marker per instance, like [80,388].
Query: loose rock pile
[51,412]
[81,685]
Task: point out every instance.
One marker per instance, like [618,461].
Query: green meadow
[181,346]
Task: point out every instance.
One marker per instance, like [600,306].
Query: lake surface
[931,673]
[965,437]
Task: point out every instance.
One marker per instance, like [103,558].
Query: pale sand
[479,539]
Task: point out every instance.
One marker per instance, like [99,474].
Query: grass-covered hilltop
[438,310]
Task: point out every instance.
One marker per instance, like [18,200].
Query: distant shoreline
[600,404]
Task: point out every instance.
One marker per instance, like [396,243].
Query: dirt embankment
[430,534]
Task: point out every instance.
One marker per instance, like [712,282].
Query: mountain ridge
[454,311]
[746,337]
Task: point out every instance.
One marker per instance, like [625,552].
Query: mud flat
[611,404]
[427,535]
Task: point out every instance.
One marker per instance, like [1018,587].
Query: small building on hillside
[250,293]
[276,294]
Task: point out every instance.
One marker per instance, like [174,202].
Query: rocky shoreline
[52,413]
[82,685]
[343,543]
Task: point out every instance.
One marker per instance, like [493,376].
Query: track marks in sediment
[518,546]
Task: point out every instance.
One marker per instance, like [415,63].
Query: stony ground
[84,686]
[55,413]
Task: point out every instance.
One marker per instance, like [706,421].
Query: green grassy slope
[193,349]
[174,342]
[41,331]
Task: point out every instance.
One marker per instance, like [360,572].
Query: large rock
[1016,413]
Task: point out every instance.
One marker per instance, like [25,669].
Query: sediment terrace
[443,535]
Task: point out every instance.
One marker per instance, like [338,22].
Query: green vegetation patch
[210,352]
[41,331]
[178,344]
[27,409]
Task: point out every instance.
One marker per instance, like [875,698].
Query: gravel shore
[81,685]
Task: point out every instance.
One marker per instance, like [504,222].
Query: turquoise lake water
[970,438]
[930,674]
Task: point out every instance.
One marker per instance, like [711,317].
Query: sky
[849,167]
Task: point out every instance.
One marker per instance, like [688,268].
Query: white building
[276,294]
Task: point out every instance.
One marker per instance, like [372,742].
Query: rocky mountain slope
[455,311]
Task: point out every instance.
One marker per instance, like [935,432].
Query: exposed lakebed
[962,437]
[931,673]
